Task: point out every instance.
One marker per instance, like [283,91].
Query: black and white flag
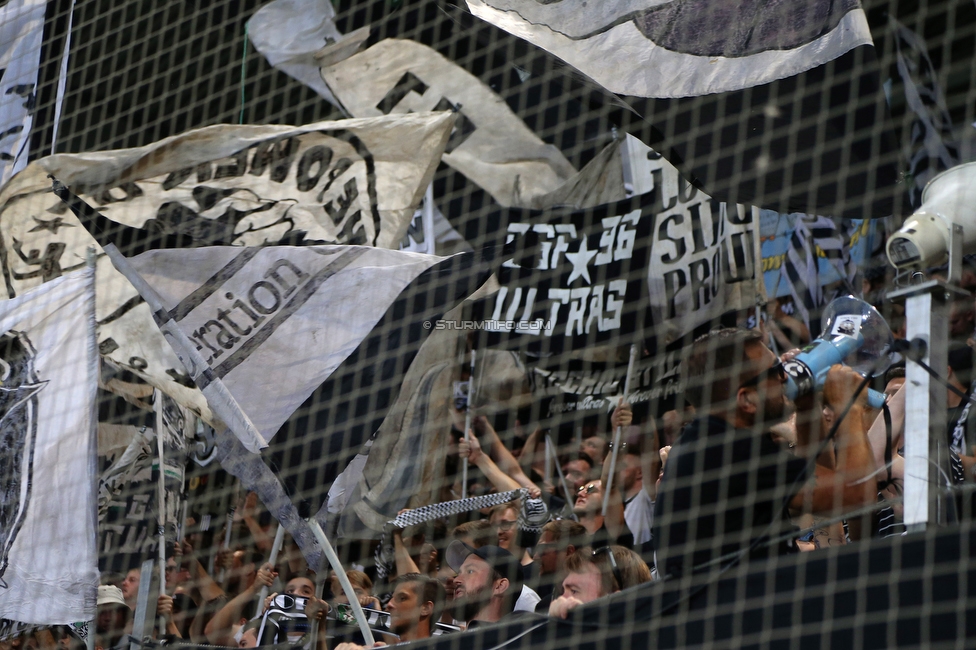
[126,491]
[681,48]
[271,324]
[763,102]
[350,181]
[594,388]
[705,253]
[489,144]
[49,370]
[175,425]
[931,147]
[671,259]
[21,32]
[580,282]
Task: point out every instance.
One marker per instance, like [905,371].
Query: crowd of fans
[734,473]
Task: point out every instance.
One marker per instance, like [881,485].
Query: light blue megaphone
[855,334]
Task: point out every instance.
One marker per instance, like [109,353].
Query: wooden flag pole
[467,428]
[340,573]
[619,432]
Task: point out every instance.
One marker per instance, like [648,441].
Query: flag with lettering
[344,182]
[21,33]
[272,323]
[671,259]
[49,367]
[581,388]
[490,144]
[716,86]
[585,285]
[280,339]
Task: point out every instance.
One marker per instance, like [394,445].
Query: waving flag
[350,181]
[932,147]
[770,103]
[267,332]
[489,144]
[21,32]
[48,560]
[680,48]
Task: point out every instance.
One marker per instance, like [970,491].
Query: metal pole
[319,588]
[221,574]
[275,547]
[427,215]
[90,261]
[547,472]
[562,479]
[145,606]
[926,449]
[161,501]
[619,432]
[467,428]
[340,574]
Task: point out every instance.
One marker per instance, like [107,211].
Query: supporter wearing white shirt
[638,506]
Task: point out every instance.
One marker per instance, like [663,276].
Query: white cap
[110,595]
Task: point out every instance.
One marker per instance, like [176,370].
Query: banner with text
[350,181]
[490,144]
[705,253]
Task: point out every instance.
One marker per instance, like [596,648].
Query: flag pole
[547,472]
[562,478]
[427,215]
[222,403]
[221,574]
[319,588]
[160,501]
[273,558]
[90,262]
[340,573]
[467,428]
[619,432]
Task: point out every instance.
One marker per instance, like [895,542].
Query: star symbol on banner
[580,259]
[51,225]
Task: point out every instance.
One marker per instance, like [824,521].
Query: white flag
[48,566]
[271,324]
[682,48]
[490,144]
[340,182]
[289,33]
[21,30]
